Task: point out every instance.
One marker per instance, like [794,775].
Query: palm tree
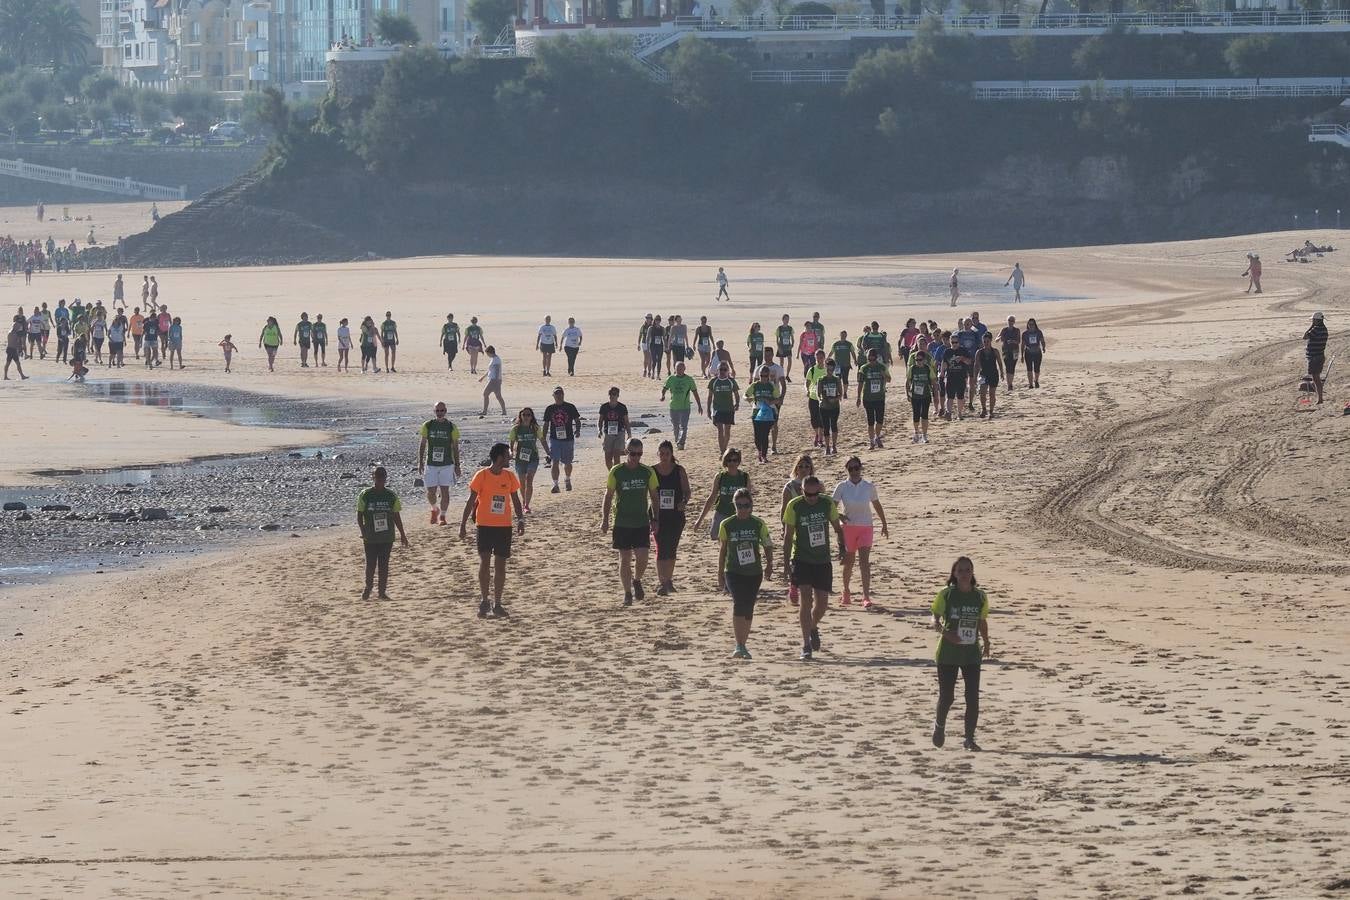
[19,28]
[61,35]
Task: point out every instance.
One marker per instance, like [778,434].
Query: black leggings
[829,419]
[876,412]
[450,351]
[1010,365]
[762,430]
[947,693]
[1033,363]
[920,405]
[377,555]
[571,359]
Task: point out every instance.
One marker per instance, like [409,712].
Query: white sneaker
[914,439]
[923,439]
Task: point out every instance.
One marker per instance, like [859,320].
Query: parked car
[227,131]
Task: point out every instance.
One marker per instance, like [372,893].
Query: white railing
[1333,134]
[105,183]
[1172,88]
[1253,19]
[800,76]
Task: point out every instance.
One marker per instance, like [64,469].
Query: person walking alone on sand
[1316,350]
[954,286]
[490,491]
[377,515]
[961,614]
[269,340]
[493,377]
[1016,279]
[1253,273]
[450,341]
[722,285]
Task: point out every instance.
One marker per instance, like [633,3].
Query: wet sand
[1163,537]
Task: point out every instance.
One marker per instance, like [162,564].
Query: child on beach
[176,342]
[228,347]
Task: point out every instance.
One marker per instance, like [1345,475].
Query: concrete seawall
[201,170]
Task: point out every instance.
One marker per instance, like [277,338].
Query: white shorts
[439,476]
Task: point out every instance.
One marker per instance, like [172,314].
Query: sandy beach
[1163,536]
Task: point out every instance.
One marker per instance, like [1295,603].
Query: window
[195,61]
[195,33]
[445,19]
[126,51]
[238,29]
[238,60]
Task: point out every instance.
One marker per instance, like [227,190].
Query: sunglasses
[811,494]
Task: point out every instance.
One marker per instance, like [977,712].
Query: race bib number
[966,631]
[667,499]
[611,427]
[560,432]
[831,390]
[438,454]
[498,504]
[525,454]
[874,387]
[1032,340]
[745,554]
[815,535]
[379,522]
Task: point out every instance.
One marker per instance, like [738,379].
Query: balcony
[257,12]
[257,73]
[255,44]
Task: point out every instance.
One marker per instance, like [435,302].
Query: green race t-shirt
[680,387]
[377,506]
[631,487]
[727,486]
[842,351]
[441,436]
[875,340]
[785,337]
[450,333]
[830,388]
[811,524]
[724,391]
[872,379]
[743,538]
[755,341]
[921,379]
[320,332]
[960,611]
[527,443]
[765,391]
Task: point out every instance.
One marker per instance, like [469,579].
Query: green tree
[491,16]
[198,109]
[58,117]
[61,36]
[704,77]
[123,103]
[151,107]
[98,87]
[1256,55]
[19,30]
[395,28]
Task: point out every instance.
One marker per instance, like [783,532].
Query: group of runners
[77,335]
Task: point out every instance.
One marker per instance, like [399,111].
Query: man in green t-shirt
[724,399]
[844,356]
[875,339]
[816,372]
[740,567]
[438,460]
[831,389]
[872,380]
[631,493]
[681,387]
[806,555]
[784,341]
[377,516]
[450,340]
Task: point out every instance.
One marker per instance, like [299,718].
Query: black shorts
[1315,364]
[1032,361]
[547,348]
[669,528]
[813,406]
[11,355]
[876,411]
[450,348]
[813,575]
[842,372]
[744,592]
[784,352]
[990,378]
[494,540]
[304,344]
[829,419]
[956,386]
[724,417]
[631,538]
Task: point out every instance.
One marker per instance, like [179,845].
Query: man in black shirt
[564,424]
[1316,336]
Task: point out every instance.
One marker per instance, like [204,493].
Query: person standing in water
[961,614]
[1016,279]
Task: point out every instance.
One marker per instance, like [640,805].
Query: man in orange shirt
[488,492]
[137,329]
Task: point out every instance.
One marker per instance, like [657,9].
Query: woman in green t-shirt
[741,565]
[525,441]
[724,487]
[961,615]
[270,340]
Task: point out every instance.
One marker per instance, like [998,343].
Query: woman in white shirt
[857,499]
[344,342]
[546,342]
[571,339]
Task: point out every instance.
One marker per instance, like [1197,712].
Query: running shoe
[556,489]
[365,595]
[914,439]
[745,654]
[527,510]
[627,599]
[670,586]
[740,653]
[939,735]
[867,602]
[923,439]
[638,591]
[970,744]
[484,608]
[661,591]
[815,638]
[846,599]
[499,611]
[806,651]
[569,484]
[384,596]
